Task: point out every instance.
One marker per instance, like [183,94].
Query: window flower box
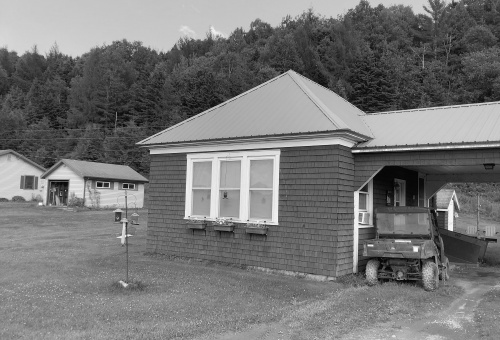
[258,231]
[223,224]
[196,224]
[258,228]
[227,228]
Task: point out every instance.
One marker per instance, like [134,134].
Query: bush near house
[18,199]
[3,199]
[75,201]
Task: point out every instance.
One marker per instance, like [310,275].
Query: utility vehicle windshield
[403,224]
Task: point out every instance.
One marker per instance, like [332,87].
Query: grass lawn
[58,274]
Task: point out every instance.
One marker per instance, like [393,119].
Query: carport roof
[438,127]
[288,104]
[98,170]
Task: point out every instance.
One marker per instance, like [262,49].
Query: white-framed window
[365,205]
[128,186]
[242,186]
[102,185]
[363,199]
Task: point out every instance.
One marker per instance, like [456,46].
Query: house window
[365,205]
[29,182]
[363,199]
[128,186]
[201,185]
[102,185]
[242,186]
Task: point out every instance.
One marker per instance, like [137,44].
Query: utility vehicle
[407,246]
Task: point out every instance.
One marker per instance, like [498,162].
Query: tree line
[98,105]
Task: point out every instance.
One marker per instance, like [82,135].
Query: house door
[58,193]
[399,192]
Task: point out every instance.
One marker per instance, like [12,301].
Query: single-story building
[19,176]
[98,184]
[294,156]
[445,201]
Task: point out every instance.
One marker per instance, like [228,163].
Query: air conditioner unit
[364,218]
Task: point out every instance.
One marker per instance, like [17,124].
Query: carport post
[126,235]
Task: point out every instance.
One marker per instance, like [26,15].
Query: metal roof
[4,152]
[99,170]
[285,105]
[448,125]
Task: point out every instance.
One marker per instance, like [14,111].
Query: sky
[78,26]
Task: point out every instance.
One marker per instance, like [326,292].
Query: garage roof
[98,170]
[286,105]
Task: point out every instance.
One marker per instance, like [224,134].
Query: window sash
[128,186]
[220,206]
[102,185]
[363,201]
[29,182]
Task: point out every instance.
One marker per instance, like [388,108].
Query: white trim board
[249,145]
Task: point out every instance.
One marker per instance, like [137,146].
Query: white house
[98,184]
[19,176]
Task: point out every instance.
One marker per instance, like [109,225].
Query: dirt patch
[457,322]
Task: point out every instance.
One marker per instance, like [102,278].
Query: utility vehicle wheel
[430,275]
[445,275]
[372,272]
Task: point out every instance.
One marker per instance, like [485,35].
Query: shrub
[36,198]
[3,199]
[18,199]
[75,201]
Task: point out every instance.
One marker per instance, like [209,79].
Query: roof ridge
[212,108]
[326,88]
[337,121]
[434,108]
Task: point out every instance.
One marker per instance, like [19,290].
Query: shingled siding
[315,231]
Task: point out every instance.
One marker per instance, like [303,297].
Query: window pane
[229,203]
[261,173]
[201,202]
[261,205]
[230,174]
[202,174]
[363,201]
[29,182]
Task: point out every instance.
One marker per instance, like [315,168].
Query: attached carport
[413,156]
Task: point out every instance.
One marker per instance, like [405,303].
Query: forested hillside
[97,106]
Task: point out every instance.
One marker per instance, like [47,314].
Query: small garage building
[98,184]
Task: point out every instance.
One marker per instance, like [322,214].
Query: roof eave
[348,134]
[426,147]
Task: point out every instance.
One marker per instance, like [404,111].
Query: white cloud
[187,32]
[216,33]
